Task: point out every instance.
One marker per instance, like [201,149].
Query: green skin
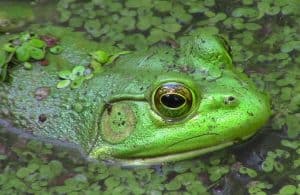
[115,115]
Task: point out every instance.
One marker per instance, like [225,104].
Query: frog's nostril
[231,98]
[230,101]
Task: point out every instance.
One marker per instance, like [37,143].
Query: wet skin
[150,106]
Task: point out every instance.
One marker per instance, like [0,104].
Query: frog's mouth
[174,157]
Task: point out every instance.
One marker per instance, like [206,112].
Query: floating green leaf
[63,84]
[3,57]
[115,56]
[93,27]
[9,47]
[36,53]
[27,65]
[64,15]
[100,56]
[64,74]
[288,190]
[250,172]
[77,82]
[76,22]
[37,43]
[23,53]
[290,144]
[56,49]
[77,71]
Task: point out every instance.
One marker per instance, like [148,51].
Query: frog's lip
[174,157]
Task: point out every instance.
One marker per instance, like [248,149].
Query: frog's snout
[118,121]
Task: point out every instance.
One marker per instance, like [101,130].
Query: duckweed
[265,43]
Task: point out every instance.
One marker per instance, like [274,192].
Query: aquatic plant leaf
[9,47]
[173,185]
[96,66]
[293,123]
[56,167]
[37,53]
[27,65]
[290,144]
[172,27]
[209,3]
[278,166]
[245,12]
[56,49]
[3,157]
[216,172]
[143,22]
[115,56]
[163,6]
[157,34]
[100,56]
[290,46]
[25,171]
[268,165]
[77,72]
[23,53]
[63,84]
[288,190]
[76,83]
[64,74]
[24,37]
[37,43]
[65,15]
[3,72]
[93,27]
[112,182]
[250,172]
[138,4]
[3,57]
[76,22]
[247,2]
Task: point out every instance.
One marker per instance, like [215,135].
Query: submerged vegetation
[265,40]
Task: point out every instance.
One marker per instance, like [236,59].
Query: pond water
[264,36]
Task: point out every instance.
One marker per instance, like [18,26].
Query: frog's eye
[173,100]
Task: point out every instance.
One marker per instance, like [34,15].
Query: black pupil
[172,100]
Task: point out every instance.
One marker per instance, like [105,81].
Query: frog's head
[198,104]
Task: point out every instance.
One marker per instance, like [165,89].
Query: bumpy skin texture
[119,119]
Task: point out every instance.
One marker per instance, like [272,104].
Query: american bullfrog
[164,103]
[14,16]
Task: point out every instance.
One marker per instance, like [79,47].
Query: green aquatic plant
[74,78]
[258,187]
[100,58]
[79,74]
[272,161]
[27,49]
[250,172]
[265,46]
[24,48]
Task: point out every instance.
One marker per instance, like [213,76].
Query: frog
[15,16]
[155,105]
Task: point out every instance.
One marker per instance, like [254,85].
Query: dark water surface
[265,41]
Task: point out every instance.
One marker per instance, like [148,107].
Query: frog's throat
[174,157]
